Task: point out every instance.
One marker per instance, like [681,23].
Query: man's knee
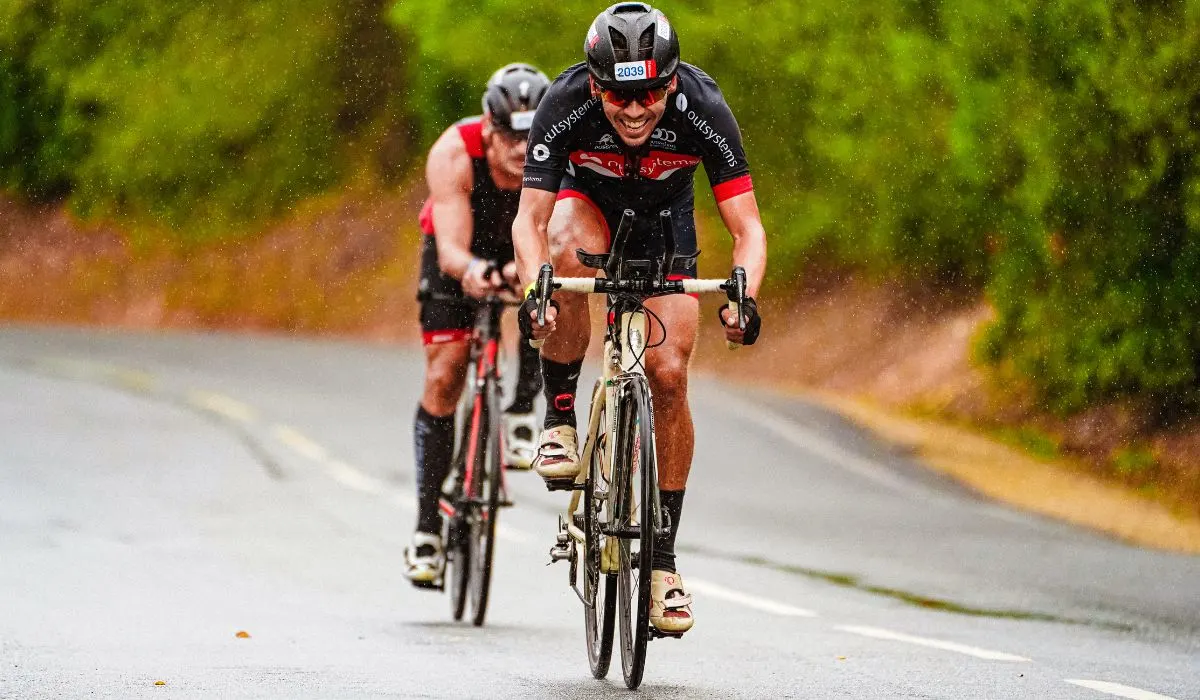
[573,225]
[444,379]
[668,375]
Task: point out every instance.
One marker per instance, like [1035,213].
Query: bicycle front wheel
[636,485]
[458,558]
[599,586]
[486,501]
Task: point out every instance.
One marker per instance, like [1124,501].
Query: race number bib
[636,70]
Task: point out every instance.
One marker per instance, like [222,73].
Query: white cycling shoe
[424,560]
[670,604]
[558,454]
[519,447]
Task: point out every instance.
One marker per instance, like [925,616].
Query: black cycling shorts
[645,241]
[442,320]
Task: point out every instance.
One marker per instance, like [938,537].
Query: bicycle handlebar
[641,285]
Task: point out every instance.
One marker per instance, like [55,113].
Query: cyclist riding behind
[474,175]
[627,129]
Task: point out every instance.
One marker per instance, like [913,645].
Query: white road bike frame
[619,364]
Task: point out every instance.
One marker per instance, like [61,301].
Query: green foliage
[192,115]
[1134,460]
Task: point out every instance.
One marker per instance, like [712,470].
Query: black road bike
[608,531]
[471,506]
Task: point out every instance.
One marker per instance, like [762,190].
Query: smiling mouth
[632,125]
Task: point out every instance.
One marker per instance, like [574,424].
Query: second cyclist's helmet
[513,94]
[631,46]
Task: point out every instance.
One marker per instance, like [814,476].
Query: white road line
[299,443]
[404,499]
[221,405]
[353,478]
[814,443]
[877,633]
[1121,691]
[763,604]
[87,369]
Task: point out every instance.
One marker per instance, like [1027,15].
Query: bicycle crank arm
[625,533]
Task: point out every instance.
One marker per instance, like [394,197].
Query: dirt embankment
[897,359]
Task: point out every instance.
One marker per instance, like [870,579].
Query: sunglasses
[622,98]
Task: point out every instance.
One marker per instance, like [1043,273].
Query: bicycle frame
[623,363]
[484,361]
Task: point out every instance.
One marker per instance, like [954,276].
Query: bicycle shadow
[609,687]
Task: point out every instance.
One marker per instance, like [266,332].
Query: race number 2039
[636,70]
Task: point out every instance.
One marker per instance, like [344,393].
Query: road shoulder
[1052,488]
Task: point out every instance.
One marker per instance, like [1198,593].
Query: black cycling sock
[433,440]
[529,379]
[664,545]
[561,383]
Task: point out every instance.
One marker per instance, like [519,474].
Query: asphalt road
[160,494]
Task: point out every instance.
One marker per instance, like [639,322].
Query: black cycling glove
[749,312]
[526,312]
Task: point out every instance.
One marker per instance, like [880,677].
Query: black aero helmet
[631,46]
[512,95]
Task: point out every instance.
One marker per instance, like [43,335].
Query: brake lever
[735,289]
[541,292]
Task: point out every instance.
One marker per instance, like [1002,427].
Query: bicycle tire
[456,529]
[635,441]
[485,511]
[598,618]
[458,562]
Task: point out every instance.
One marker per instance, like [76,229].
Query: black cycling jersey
[572,137]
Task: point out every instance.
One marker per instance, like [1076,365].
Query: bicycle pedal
[505,503]
[563,485]
[655,633]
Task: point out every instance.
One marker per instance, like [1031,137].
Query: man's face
[505,149]
[634,114]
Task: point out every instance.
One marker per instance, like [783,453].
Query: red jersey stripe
[452,335]
[736,186]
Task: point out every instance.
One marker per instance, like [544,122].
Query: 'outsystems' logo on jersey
[567,123]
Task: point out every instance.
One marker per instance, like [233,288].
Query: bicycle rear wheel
[636,481]
[600,587]
[485,508]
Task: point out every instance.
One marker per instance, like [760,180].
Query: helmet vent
[646,42]
[620,45]
[634,7]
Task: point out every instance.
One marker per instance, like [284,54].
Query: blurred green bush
[198,116]
[1040,151]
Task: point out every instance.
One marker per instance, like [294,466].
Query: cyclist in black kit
[627,129]
[474,175]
